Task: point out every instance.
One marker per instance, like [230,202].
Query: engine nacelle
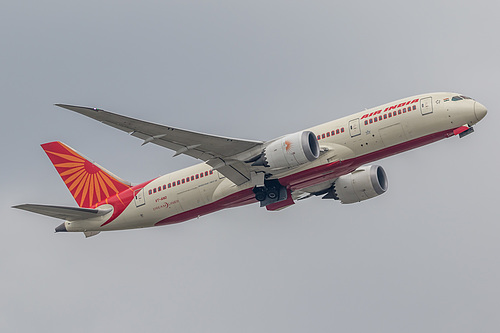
[290,151]
[363,183]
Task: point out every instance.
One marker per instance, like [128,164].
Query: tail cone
[61,228]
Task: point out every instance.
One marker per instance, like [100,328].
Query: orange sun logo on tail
[88,183]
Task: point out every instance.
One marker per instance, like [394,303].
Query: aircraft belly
[392,135]
[197,196]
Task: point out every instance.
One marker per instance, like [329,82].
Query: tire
[272,193]
[260,196]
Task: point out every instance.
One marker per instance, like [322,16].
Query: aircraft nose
[480,111]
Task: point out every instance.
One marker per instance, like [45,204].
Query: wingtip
[65,106]
[61,105]
[76,108]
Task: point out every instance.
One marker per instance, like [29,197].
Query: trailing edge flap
[64,213]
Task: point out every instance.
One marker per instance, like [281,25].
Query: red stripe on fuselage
[308,177]
[237,199]
[121,201]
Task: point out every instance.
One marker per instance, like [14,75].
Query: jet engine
[363,183]
[290,151]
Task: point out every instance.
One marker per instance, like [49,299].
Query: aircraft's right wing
[64,213]
[217,151]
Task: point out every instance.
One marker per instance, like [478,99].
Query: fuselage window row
[181,181]
[329,134]
[389,115]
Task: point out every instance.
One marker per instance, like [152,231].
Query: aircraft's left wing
[217,151]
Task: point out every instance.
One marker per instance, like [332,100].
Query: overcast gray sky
[421,258]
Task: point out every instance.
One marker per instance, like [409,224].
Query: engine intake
[290,151]
[363,183]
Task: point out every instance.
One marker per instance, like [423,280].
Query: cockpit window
[459,98]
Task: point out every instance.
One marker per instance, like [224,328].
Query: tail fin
[88,182]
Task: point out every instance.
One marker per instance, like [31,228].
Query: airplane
[329,160]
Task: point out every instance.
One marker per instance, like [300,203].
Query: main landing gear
[271,192]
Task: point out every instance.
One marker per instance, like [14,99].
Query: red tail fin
[87,182]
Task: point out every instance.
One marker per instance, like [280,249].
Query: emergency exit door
[426,105]
[139,197]
[354,128]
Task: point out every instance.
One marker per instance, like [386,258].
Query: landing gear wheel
[260,196]
[272,193]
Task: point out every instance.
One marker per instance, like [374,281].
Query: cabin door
[139,197]
[426,105]
[354,128]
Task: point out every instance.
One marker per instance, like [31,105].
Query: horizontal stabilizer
[64,213]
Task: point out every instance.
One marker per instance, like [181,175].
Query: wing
[217,151]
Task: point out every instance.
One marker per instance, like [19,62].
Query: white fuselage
[345,143]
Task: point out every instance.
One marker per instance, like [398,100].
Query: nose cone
[480,111]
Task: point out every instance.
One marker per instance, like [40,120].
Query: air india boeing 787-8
[327,160]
